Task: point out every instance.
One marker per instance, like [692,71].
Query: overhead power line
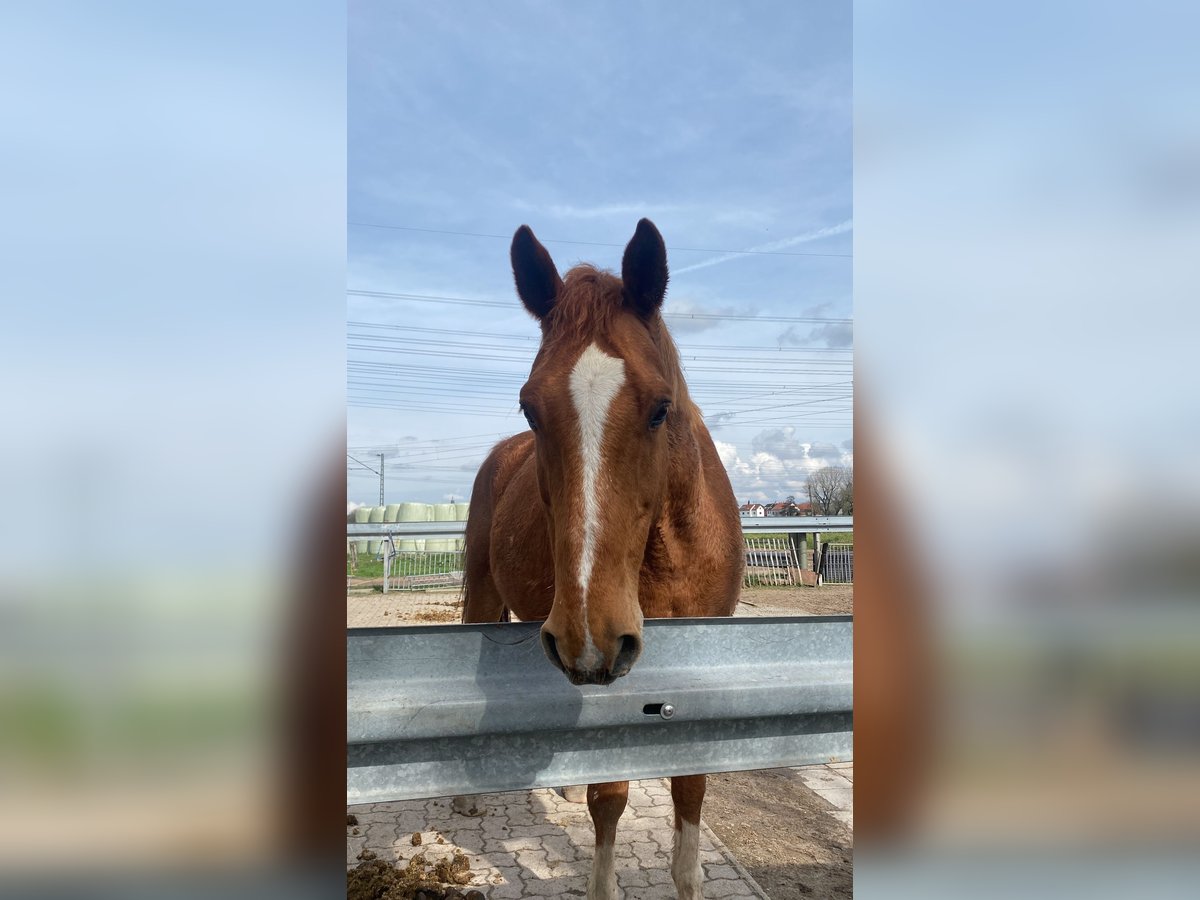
[527,339]
[508,237]
[508,304]
[364,465]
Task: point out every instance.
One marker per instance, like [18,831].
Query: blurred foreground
[1027,210]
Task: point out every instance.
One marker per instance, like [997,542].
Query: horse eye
[528,417]
[660,414]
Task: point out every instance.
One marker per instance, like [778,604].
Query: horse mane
[591,298]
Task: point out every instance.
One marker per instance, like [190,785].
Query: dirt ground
[779,831]
[772,822]
[368,607]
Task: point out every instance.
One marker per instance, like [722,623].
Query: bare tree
[831,491]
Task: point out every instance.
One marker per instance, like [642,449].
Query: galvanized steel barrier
[464,709]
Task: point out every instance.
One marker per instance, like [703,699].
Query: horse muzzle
[597,669]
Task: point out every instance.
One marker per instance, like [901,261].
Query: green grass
[368,567]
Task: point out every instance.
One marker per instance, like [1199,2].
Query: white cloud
[779,464]
[727,452]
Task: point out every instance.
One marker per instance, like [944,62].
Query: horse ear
[537,279]
[644,270]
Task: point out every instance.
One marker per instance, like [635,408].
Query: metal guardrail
[464,709]
[363,530]
[797,524]
[765,525]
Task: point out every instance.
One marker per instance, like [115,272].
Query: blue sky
[728,125]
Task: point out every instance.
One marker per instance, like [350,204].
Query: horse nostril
[551,648]
[630,648]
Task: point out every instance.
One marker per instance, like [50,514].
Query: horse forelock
[589,301]
[584,312]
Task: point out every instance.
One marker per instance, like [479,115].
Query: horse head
[601,400]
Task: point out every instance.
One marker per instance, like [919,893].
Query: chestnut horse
[614,506]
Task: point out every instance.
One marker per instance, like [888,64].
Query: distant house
[752,510]
[788,507]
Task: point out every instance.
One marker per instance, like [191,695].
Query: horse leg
[606,802]
[687,792]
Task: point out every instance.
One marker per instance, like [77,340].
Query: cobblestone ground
[537,844]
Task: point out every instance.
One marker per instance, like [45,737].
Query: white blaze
[595,381]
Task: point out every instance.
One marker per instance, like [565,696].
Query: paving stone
[512,844]
[585,837]
[540,830]
[627,878]
[509,889]
[647,852]
[656,786]
[409,820]
[646,830]
[559,848]
[824,777]
[715,871]
[366,819]
[726,887]
[469,841]
[840,798]
[623,854]
[536,844]
[534,863]
[570,868]
[495,829]
[639,800]
[379,835]
[654,892]
[555,887]
[662,812]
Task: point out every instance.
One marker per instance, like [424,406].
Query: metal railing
[419,570]
[837,563]
[464,709]
[770,561]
